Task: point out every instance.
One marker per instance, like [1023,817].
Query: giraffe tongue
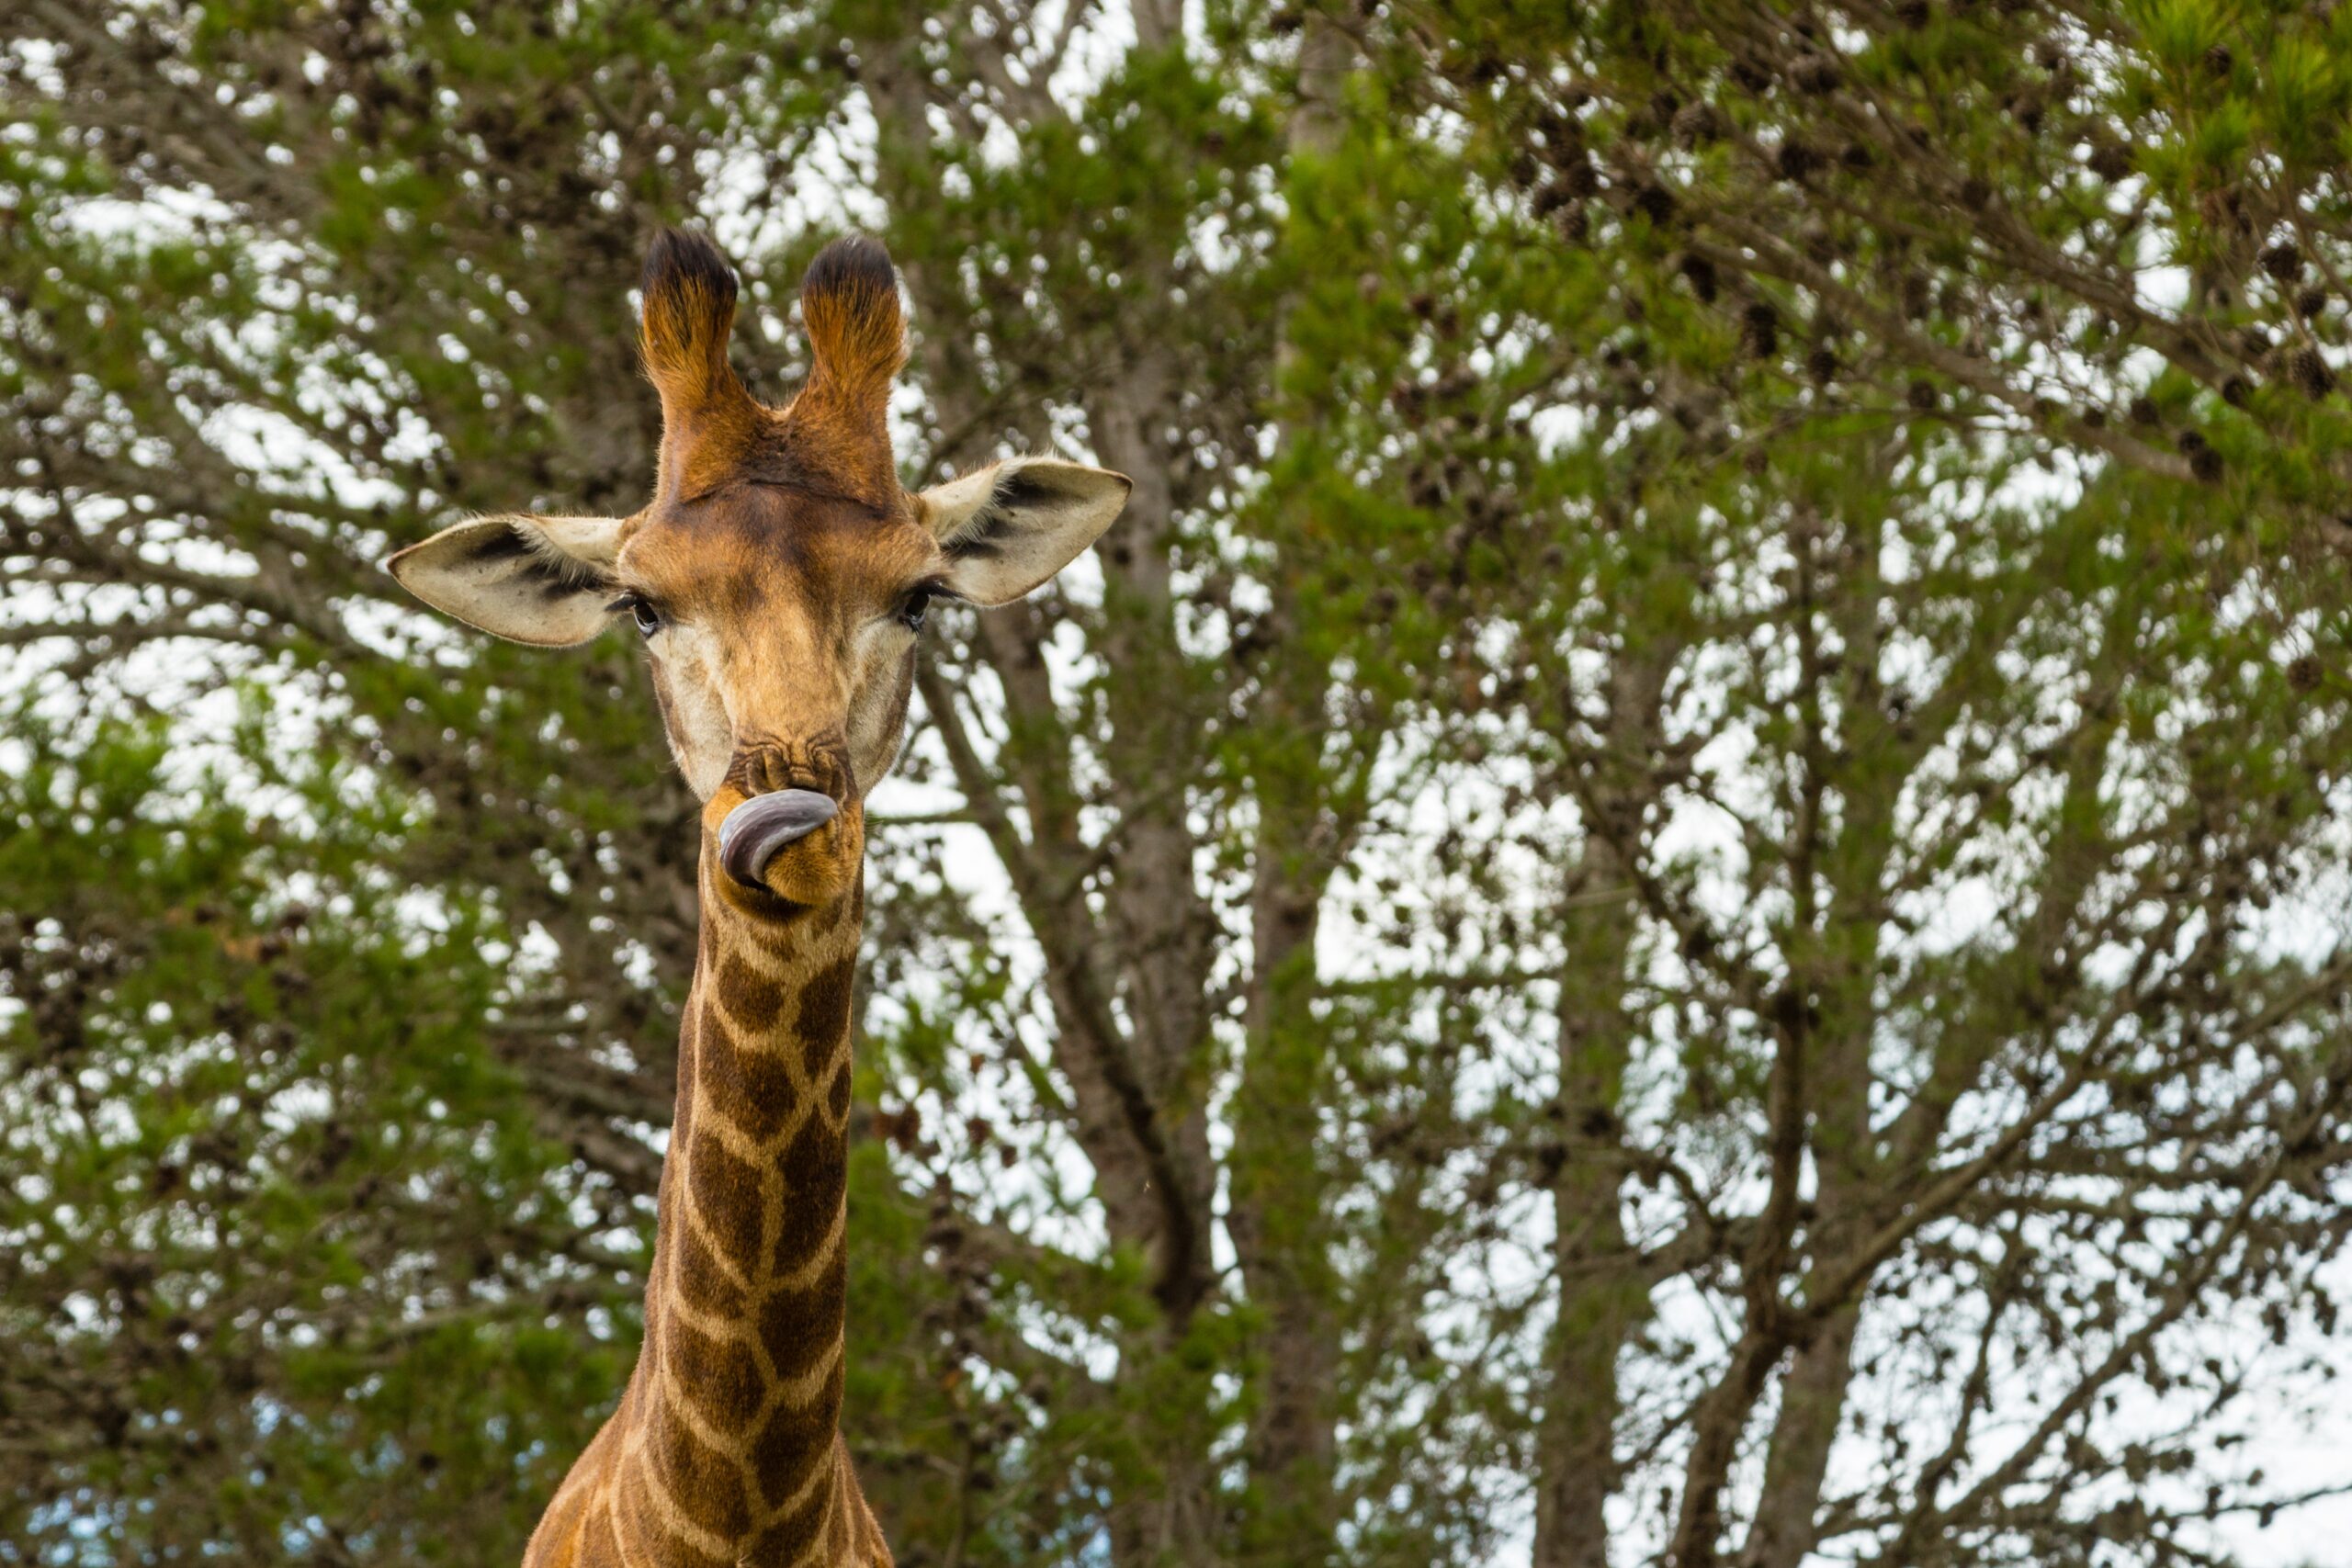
[755,830]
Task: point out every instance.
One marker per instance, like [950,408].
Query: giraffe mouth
[755,830]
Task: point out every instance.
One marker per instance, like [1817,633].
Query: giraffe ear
[538,580]
[1008,527]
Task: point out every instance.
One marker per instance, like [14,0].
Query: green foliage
[1674,892]
[233,1114]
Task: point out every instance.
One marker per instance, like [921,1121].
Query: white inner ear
[1008,527]
[537,580]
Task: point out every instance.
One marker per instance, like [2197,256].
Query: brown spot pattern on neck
[726,1448]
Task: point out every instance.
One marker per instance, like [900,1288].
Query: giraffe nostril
[764,765]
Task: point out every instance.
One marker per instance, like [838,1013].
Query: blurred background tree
[1677,892]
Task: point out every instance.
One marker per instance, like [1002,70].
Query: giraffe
[778,577]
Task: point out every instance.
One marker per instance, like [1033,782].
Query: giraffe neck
[731,1420]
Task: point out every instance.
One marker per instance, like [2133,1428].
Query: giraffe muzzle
[755,830]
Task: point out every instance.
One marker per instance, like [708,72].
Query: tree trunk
[1278,1220]
[1601,1301]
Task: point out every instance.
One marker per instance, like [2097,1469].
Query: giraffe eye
[648,618]
[911,610]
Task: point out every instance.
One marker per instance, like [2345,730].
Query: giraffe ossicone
[778,576]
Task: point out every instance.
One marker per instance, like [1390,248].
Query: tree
[1678,898]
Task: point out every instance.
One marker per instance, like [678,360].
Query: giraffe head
[779,574]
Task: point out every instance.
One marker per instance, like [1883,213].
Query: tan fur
[708,419]
[726,1448]
[780,554]
[849,305]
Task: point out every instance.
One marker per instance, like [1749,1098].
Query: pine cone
[1796,159]
[1701,275]
[2311,372]
[1815,74]
[2203,461]
[1696,125]
[2283,261]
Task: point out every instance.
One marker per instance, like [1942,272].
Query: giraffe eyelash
[641,610]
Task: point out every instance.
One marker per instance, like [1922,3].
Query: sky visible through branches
[1705,785]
